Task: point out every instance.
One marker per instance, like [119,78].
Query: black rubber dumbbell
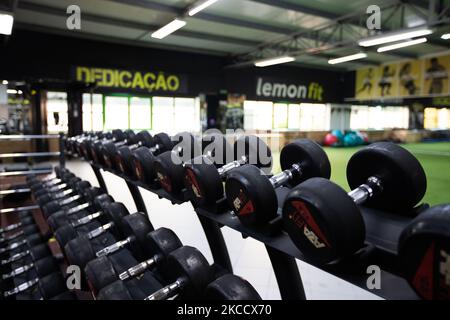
[251,194]
[138,165]
[231,287]
[424,253]
[82,146]
[65,217]
[24,222]
[158,244]
[49,286]
[24,241]
[41,268]
[34,253]
[134,229]
[110,217]
[122,156]
[74,188]
[190,275]
[107,149]
[325,222]
[95,147]
[204,178]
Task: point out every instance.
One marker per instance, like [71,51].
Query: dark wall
[32,55]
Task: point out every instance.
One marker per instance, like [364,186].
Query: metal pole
[62,156]
[99,176]
[137,197]
[286,272]
[216,243]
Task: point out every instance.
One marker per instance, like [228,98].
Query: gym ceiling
[246,30]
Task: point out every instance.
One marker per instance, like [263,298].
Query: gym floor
[248,256]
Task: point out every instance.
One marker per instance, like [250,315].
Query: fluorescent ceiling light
[5,82]
[168,29]
[6,23]
[200,7]
[445,36]
[272,61]
[392,37]
[11,91]
[401,45]
[356,56]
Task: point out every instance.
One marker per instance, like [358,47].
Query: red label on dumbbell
[164,181]
[242,205]
[192,182]
[138,170]
[303,218]
[423,278]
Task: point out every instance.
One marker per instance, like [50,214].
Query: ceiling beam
[298,8]
[206,16]
[30,6]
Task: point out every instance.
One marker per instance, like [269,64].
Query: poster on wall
[365,82]
[436,70]
[411,78]
[386,82]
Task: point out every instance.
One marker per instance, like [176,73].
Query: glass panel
[280,114]
[97,112]
[57,117]
[163,114]
[140,113]
[87,112]
[294,116]
[116,113]
[257,115]
[185,115]
[314,117]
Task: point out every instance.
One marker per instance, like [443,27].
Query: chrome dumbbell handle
[114,247]
[18,271]
[21,287]
[138,269]
[166,292]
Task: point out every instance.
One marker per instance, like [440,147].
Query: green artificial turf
[434,157]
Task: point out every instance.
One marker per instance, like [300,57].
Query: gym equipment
[123,155]
[64,217]
[252,195]
[159,243]
[134,228]
[111,216]
[424,253]
[48,286]
[41,267]
[26,221]
[324,221]
[142,159]
[231,287]
[96,147]
[109,148]
[190,274]
[205,180]
[169,165]
[36,252]
[28,241]
[330,140]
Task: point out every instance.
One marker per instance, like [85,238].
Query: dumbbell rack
[383,230]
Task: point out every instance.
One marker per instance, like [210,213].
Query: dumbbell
[66,197]
[35,253]
[205,180]
[44,194]
[324,221]
[49,286]
[29,240]
[39,188]
[134,229]
[252,195]
[189,271]
[110,216]
[424,253]
[89,147]
[143,158]
[231,287]
[96,147]
[25,221]
[147,144]
[158,244]
[168,165]
[108,148]
[81,201]
[65,217]
[41,267]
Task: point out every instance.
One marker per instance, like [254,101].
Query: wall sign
[132,81]
[312,91]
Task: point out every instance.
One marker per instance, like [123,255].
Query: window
[176,114]
[258,115]
[185,115]
[140,113]
[116,113]
[57,115]
[280,116]
[314,116]
[294,116]
[163,117]
[436,118]
[378,118]
[92,112]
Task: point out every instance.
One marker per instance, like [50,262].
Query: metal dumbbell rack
[382,229]
[60,154]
